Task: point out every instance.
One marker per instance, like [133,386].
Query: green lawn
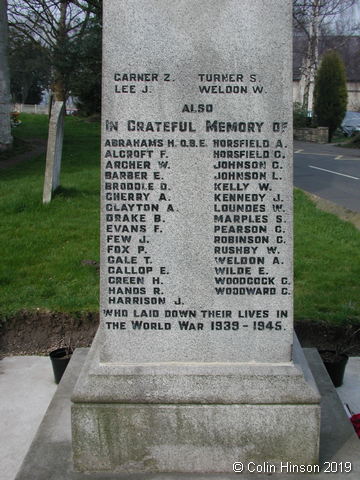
[43,246]
[326,265]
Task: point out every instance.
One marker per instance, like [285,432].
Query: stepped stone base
[193,418]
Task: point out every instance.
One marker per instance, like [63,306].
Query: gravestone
[194,365]
[54,151]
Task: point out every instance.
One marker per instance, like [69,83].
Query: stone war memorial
[194,365]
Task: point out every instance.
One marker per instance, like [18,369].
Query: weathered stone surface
[194,361]
[191,438]
[193,418]
[215,383]
[228,180]
[54,150]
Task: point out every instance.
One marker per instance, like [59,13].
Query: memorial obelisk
[194,365]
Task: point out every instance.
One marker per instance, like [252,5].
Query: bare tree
[5,129]
[57,25]
[311,19]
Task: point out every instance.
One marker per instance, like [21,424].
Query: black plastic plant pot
[59,360]
[335,365]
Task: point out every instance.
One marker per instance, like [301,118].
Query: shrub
[330,94]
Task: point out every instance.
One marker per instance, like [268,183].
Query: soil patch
[343,339]
[37,333]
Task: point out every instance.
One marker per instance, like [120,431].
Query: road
[329,172]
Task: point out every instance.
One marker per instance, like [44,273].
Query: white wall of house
[353,89]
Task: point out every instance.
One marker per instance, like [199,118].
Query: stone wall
[316,135]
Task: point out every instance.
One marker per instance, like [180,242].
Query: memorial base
[193,418]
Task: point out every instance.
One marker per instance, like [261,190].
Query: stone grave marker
[194,365]
[54,151]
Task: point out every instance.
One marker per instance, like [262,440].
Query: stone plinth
[193,418]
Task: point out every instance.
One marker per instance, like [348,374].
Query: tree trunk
[312,57]
[5,128]
[59,86]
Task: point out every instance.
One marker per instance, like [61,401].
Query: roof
[347,46]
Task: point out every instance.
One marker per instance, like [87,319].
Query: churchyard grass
[32,126]
[43,247]
[326,265]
